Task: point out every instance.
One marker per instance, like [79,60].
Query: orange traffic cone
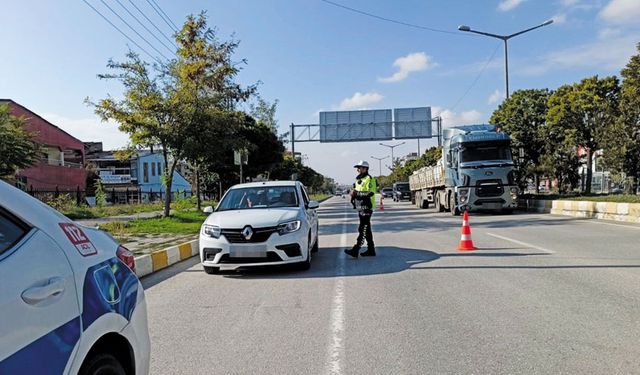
[466,243]
[381,203]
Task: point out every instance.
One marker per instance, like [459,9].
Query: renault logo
[247,232]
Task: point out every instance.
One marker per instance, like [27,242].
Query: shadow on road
[332,262]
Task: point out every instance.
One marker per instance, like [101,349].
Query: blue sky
[314,56]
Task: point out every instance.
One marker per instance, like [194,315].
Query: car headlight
[211,230]
[288,227]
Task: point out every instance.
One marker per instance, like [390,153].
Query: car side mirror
[313,205]
[207,210]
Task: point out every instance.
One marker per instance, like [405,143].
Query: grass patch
[319,197]
[181,222]
[86,212]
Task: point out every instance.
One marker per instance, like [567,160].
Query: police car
[70,299]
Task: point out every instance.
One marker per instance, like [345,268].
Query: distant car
[401,191]
[259,224]
[70,299]
[386,192]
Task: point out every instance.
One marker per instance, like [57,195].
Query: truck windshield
[402,187]
[469,154]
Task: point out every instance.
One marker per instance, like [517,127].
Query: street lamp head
[464,28]
[548,22]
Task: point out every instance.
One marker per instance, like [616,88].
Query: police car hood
[257,218]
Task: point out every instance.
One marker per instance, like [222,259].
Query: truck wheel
[425,204]
[452,205]
[439,206]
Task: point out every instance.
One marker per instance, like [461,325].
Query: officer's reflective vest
[367,184]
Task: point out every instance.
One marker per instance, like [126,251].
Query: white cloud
[90,130]
[569,3]
[608,33]
[450,118]
[413,62]
[359,101]
[507,5]
[611,54]
[620,11]
[559,19]
[496,97]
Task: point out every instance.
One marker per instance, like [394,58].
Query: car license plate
[259,251]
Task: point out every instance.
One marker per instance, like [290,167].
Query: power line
[389,19]
[122,32]
[134,30]
[152,23]
[166,15]
[145,27]
[175,29]
[477,77]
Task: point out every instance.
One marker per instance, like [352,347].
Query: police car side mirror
[207,210]
[313,205]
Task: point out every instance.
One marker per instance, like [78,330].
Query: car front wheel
[211,270]
[102,364]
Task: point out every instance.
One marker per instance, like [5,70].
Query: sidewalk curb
[624,212]
[159,259]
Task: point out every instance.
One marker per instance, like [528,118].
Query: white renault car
[258,224]
[70,299]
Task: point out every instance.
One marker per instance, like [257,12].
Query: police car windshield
[259,197]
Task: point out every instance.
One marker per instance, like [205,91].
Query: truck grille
[489,188]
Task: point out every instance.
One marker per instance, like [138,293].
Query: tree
[265,113]
[17,148]
[182,106]
[630,113]
[523,116]
[584,113]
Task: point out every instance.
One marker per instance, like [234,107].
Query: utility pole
[504,38]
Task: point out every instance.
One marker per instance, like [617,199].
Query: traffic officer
[364,197]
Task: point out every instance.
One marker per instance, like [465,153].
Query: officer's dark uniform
[365,203]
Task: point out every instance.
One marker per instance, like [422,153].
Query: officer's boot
[371,252]
[352,252]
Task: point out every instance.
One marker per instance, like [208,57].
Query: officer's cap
[362,163]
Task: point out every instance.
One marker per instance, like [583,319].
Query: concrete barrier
[159,259]
[627,212]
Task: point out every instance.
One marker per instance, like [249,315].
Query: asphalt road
[543,294]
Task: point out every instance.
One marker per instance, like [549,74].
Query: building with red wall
[61,165]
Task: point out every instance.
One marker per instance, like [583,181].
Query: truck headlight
[288,227]
[211,230]
[514,190]
[463,192]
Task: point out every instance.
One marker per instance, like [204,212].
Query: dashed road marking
[522,243]
[336,348]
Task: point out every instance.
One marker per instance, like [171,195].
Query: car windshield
[259,197]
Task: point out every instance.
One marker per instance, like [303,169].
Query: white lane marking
[522,243]
[336,348]
[612,224]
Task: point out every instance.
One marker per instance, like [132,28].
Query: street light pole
[379,164]
[392,147]
[504,38]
